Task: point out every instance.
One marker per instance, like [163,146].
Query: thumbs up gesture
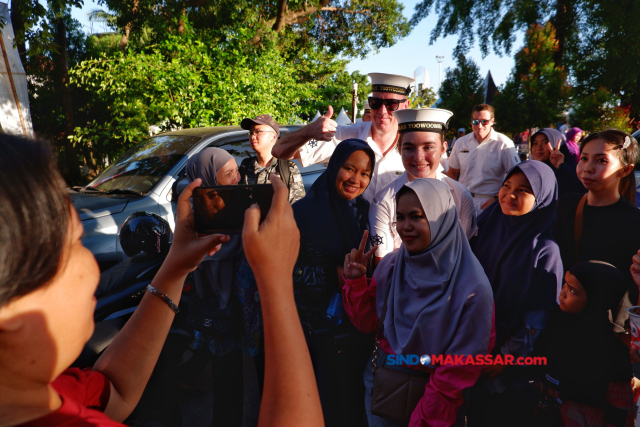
[324,128]
[556,157]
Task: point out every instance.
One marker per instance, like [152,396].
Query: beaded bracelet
[165,298]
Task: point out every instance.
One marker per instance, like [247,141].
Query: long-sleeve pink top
[443,394]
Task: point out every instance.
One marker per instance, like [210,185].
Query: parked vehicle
[144,179]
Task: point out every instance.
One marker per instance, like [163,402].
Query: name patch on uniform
[464,150]
[436,127]
[391,89]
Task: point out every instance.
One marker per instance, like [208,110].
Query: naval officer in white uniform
[482,158]
[421,145]
[315,142]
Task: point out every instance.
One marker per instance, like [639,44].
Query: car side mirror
[178,187]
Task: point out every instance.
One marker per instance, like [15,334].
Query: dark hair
[34,216]
[484,107]
[399,143]
[627,156]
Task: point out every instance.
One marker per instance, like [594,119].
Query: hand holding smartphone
[221,209]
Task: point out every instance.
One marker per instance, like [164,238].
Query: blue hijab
[518,253]
[332,224]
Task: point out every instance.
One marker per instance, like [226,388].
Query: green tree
[184,82]
[348,27]
[536,93]
[460,91]
[426,98]
[609,56]
[596,43]
[599,111]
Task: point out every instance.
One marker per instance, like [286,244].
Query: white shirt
[382,212]
[387,168]
[483,166]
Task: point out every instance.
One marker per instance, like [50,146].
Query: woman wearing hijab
[546,147]
[227,313]
[331,218]
[522,261]
[574,136]
[592,394]
[433,298]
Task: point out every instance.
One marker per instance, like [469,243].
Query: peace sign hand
[556,157]
[355,263]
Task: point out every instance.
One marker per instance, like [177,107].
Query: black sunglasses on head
[391,104]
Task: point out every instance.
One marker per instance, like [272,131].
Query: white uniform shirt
[483,166]
[387,168]
[382,212]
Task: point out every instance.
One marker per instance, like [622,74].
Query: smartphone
[221,209]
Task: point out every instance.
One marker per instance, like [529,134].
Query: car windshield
[140,168]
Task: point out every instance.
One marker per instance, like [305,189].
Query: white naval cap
[423,120]
[392,83]
[367,108]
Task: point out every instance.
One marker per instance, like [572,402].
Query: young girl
[522,261]
[546,147]
[435,298]
[602,224]
[592,394]
[331,218]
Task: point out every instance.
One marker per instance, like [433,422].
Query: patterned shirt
[252,173]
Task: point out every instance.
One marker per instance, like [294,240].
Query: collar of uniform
[399,182]
[257,168]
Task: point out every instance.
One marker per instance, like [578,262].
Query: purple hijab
[439,299]
[518,253]
[572,144]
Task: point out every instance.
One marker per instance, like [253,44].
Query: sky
[402,58]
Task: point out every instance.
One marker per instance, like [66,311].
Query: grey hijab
[217,270]
[440,300]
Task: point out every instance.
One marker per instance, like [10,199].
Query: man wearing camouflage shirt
[263,134]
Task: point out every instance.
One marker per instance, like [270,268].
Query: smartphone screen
[221,209]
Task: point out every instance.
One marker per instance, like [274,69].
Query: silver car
[146,178]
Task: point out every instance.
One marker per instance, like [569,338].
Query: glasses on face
[258,132]
[391,104]
[477,122]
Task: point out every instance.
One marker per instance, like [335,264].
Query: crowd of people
[389,257]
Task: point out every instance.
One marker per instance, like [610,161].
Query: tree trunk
[563,21]
[71,154]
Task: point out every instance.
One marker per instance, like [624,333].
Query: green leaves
[460,91]
[537,92]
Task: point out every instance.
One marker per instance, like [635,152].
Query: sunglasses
[477,122]
[391,104]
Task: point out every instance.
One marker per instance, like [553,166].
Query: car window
[140,168]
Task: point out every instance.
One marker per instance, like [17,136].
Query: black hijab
[583,353]
[332,224]
[518,253]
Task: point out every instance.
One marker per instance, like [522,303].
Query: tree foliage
[536,93]
[461,90]
[348,27]
[596,42]
[599,111]
[426,98]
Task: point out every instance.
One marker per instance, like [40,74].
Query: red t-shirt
[85,395]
